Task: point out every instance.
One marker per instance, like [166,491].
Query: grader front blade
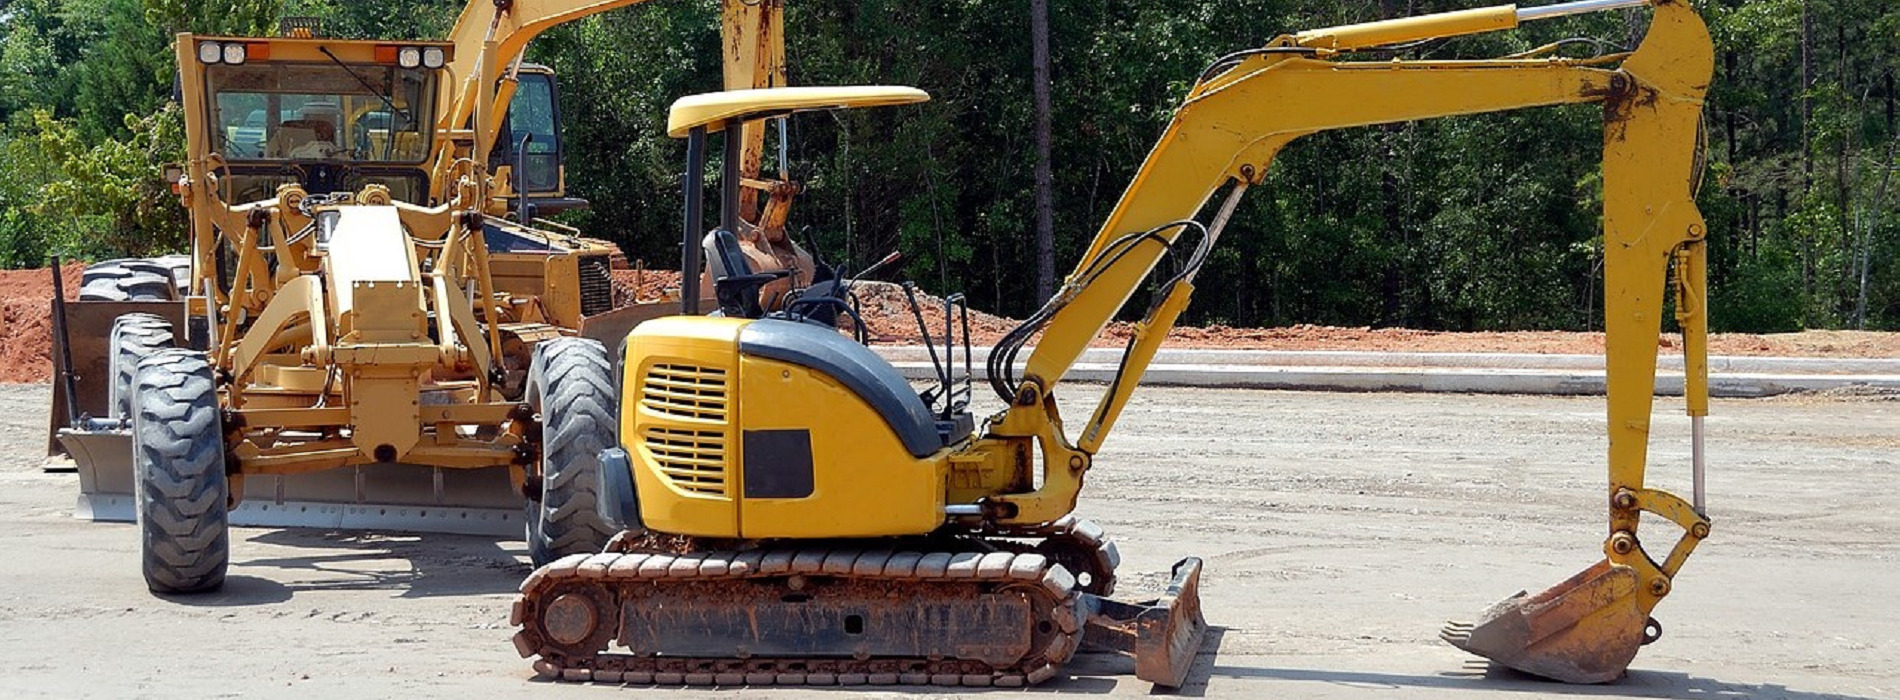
[84,345]
[1584,630]
[393,497]
[397,497]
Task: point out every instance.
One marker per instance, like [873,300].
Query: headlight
[234,53]
[432,57]
[209,52]
[409,57]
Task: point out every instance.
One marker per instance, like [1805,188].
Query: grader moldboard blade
[389,497]
[1163,634]
[1583,630]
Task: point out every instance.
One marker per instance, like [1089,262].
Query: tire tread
[572,389]
[182,490]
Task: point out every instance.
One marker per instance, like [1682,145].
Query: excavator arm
[1250,105]
[753,41]
[491,36]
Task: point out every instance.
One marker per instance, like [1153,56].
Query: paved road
[1340,531]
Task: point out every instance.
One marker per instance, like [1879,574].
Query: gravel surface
[1339,531]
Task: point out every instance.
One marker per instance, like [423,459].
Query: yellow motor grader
[373,329]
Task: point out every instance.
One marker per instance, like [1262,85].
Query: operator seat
[312,135]
[290,136]
[734,283]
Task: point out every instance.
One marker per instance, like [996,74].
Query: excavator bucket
[1584,630]
[1163,634]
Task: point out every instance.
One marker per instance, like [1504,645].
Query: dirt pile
[26,311]
[26,343]
[643,285]
[888,314]
[1862,344]
[889,318]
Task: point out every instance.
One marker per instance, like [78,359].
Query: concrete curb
[1736,377]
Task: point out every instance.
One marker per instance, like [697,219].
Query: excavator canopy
[714,110]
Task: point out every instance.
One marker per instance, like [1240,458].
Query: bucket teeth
[1455,632]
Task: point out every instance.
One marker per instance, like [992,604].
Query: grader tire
[181,490]
[134,338]
[179,267]
[570,385]
[128,279]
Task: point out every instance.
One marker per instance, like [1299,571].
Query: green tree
[108,198]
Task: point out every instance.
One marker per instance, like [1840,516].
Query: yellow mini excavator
[794,513]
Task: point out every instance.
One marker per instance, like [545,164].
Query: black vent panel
[597,285]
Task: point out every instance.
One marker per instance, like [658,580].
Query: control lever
[866,272]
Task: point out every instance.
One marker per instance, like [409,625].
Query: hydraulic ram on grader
[793,512]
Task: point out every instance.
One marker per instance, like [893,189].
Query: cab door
[530,146]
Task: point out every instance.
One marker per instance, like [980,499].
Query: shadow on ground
[411,565]
[1099,673]
[1492,679]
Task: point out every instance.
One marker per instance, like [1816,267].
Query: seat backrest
[723,256]
[288,137]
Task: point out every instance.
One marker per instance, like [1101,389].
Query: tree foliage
[1483,222]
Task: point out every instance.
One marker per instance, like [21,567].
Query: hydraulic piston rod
[1447,24]
[1566,9]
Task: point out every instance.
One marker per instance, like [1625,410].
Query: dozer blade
[389,497]
[1584,630]
[610,328]
[1163,634]
[102,488]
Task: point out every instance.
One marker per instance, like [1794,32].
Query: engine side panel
[817,461]
[679,418]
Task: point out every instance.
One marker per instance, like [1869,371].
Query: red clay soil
[26,311]
[889,316]
[26,344]
[642,285]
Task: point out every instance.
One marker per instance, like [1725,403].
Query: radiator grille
[694,460]
[597,285]
[685,391]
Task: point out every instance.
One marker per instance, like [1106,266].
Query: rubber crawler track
[596,575]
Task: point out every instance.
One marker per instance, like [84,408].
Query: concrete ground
[1340,531]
